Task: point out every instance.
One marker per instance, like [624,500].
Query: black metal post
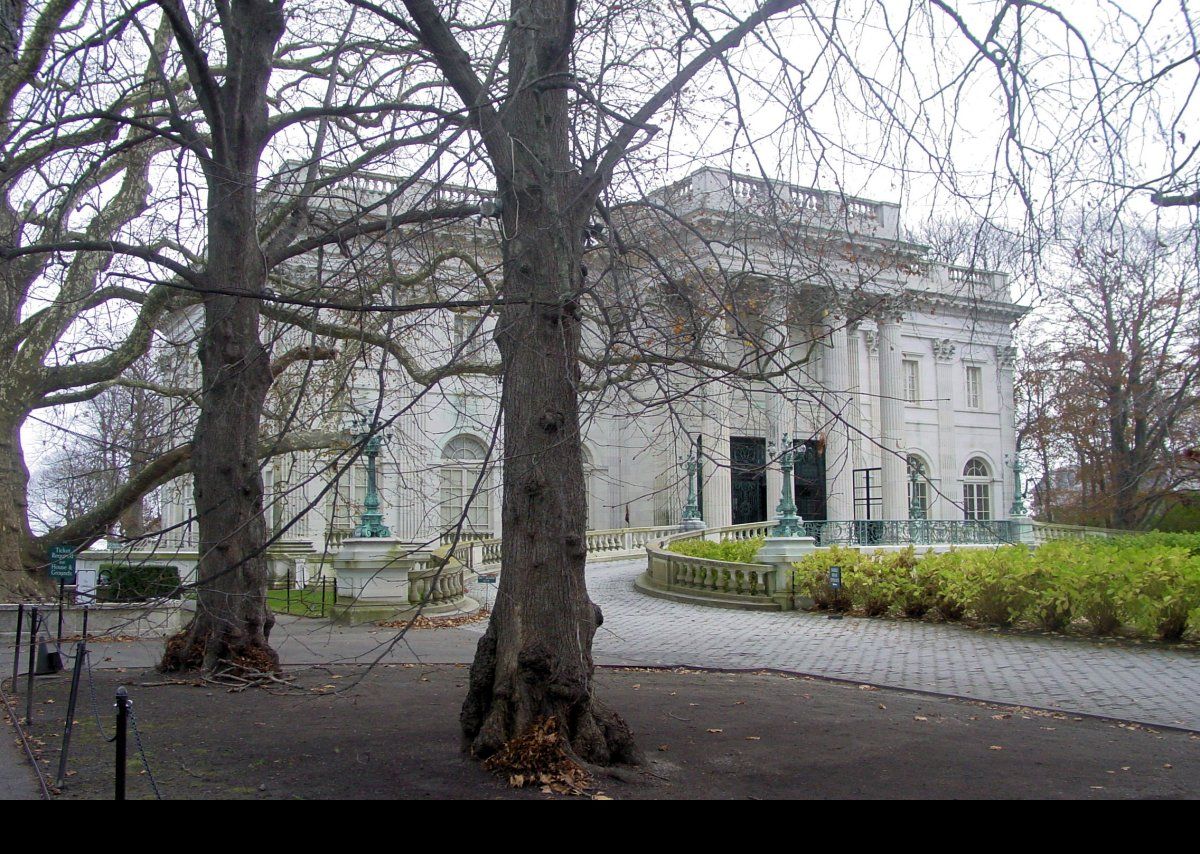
[287,576]
[122,723]
[69,726]
[33,627]
[87,609]
[62,589]
[17,641]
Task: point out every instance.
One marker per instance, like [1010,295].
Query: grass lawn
[309,602]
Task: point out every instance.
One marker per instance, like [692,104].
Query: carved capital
[872,339]
[944,349]
[1006,357]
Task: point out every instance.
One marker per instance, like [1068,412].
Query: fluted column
[718,481]
[839,468]
[891,418]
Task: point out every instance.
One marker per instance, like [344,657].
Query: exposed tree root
[502,708]
[191,650]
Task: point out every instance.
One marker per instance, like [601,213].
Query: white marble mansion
[895,365]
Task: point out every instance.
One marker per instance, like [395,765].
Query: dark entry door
[748,461]
[809,481]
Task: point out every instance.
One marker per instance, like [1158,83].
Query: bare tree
[1117,382]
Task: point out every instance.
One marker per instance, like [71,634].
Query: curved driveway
[1141,683]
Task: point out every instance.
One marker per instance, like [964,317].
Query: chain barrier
[87,656]
[137,739]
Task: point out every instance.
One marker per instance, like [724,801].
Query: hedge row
[734,551]
[1149,584]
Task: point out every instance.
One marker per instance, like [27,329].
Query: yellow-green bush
[1149,583]
[732,551]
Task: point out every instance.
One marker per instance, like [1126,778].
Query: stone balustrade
[1044,532]
[437,586]
[717,190]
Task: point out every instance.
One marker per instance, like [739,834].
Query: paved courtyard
[1143,683]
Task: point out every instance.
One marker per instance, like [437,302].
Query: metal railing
[904,532]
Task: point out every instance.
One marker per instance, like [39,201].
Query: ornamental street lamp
[1018,505]
[916,510]
[692,520]
[371,524]
[788,523]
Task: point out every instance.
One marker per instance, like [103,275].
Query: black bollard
[17,648]
[122,723]
[69,726]
[33,627]
[62,590]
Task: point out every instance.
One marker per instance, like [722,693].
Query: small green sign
[62,563]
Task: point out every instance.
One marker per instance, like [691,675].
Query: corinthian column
[839,468]
[891,418]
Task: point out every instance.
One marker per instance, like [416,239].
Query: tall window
[344,500]
[463,461]
[918,488]
[977,491]
[912,381]
[974,387]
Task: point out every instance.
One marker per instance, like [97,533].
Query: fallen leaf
[995,747]
[753,738]
[716,730]
[662,748]
[882,706]
[920,718]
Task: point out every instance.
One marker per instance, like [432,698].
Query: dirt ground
[391,732]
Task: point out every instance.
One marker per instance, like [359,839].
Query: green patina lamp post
[1018,505]
[371,524]
[788,522]
[691,511]
[915,509]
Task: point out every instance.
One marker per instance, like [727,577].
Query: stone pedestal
[1022,530]
[372,578]
[781,553]
[692,525]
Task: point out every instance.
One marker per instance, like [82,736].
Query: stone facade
[891,359]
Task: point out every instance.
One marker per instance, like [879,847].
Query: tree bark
[535,660]
[19,580]
[232,624]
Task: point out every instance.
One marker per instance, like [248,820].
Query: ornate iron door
[748,461]
[809,480]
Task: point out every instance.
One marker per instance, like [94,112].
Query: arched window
[977,491]
[918,488]
[464,458]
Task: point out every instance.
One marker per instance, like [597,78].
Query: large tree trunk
[19,579]
[535,660]
[232,624]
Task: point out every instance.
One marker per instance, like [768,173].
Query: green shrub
[915,583]
[732,551]
[812,577]
[1056,589]
[137,582]
[871,584]
[998,583]
[1165,592]
[950,574]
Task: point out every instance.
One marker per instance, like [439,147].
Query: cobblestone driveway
[1148,684]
